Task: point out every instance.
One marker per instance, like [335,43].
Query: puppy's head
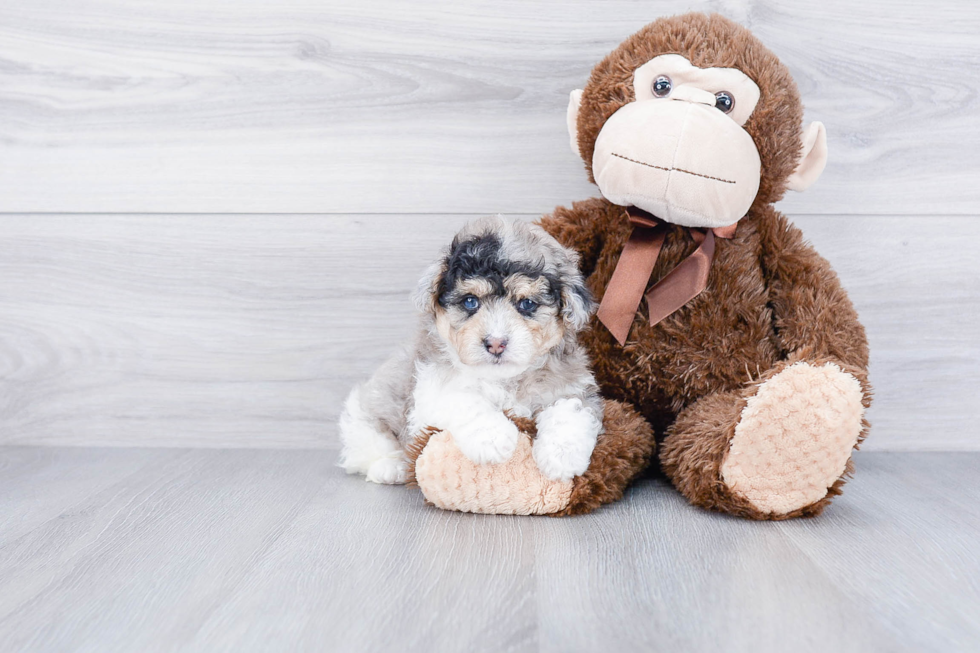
[504,295]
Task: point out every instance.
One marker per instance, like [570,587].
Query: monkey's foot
[794,438]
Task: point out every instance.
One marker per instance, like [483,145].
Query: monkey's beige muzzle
[679,159]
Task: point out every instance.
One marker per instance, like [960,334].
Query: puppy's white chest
[503,396]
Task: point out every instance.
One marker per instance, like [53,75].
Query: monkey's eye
[470,303]
[527,305]
[661,86]
[724,102]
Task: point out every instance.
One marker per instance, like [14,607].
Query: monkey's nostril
[495,346]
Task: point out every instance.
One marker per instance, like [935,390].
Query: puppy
[500,313]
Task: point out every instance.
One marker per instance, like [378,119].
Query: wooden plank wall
[211,213]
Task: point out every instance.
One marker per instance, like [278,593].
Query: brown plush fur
[414,450]
[771,300]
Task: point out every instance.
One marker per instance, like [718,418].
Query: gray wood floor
[145,549]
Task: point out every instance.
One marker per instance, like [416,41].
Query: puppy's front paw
[561,461]
[567,433]
[390,470]
[487,441]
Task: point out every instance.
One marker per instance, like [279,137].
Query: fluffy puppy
[500,313]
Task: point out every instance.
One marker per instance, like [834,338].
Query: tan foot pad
[794,437]
[452,481]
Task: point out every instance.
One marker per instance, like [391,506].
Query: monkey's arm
[814,318]
[582,228]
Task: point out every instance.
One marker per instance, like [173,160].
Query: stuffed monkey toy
[718,324]
[746,357]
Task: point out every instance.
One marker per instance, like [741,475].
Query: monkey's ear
[574,102]
[813,160]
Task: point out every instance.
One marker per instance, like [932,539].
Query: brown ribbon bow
[682,284]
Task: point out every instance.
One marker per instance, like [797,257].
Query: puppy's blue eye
[471,303]
[527,305]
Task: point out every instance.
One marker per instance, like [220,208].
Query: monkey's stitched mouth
[686,172]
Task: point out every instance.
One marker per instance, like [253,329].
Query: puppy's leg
[567,433]
[367,448]
[483,435]
[481,430]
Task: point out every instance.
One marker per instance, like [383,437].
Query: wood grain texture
[199,330]
[39,484]
[221,550]
[381,106]
[247,331]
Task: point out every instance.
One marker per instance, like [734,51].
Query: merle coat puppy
[500,314]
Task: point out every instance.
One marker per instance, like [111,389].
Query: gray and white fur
[500,312]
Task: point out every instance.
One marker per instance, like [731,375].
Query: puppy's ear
[426,294]
[577,305]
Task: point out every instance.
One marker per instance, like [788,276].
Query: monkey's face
[679,150]
[695,138]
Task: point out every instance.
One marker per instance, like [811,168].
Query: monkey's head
[693,120]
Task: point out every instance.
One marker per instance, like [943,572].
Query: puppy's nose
[495,346]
